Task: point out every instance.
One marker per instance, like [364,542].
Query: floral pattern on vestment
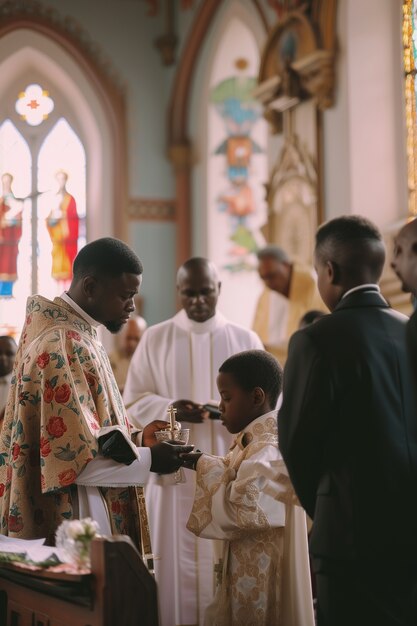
[62,392]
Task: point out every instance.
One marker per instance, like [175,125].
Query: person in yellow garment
[290,291]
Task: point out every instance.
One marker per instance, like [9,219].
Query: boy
[246,499]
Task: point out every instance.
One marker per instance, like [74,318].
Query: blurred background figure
[8,349]
[128,341]
[310,317]
[290,291]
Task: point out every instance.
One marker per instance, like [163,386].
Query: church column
[180,154]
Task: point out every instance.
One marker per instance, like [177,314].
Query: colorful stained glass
[34,105]
[410,56]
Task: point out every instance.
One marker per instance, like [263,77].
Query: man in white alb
[177,363]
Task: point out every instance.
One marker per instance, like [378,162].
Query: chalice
[174,433]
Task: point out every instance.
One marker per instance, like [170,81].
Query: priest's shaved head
[198,287]
[107,277]
[349,252]
[404,261]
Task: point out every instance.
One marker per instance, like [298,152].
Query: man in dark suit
[404,264]
[348,433]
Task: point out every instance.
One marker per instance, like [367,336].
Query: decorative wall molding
[152,209]
[292,201]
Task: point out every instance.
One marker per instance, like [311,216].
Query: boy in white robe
[247,500]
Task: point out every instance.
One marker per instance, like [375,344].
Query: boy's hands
[166,456]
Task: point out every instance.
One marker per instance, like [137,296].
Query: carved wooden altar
[119,591]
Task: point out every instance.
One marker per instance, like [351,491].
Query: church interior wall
[364,156]
[364,133]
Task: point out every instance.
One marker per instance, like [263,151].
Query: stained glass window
[42,204]
[34,105]
[237,167]
[410,56]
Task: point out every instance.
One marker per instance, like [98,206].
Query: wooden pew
[118,592]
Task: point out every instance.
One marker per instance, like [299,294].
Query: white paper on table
[33,549]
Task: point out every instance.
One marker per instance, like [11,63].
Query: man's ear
[258,396]
[333,272]
[89,286]
[219,286]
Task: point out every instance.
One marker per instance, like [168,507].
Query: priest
[177,363]
[66,447]
[290,291]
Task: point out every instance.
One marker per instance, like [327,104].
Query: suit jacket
[348,431]
[412,351]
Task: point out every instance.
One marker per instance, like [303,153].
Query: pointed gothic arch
[180,147]
[33,37]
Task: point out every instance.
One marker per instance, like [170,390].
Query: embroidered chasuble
[179,359]
[62,394]
[246,499]
[277,318]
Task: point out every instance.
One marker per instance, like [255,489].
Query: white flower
[75,529]
[74,539]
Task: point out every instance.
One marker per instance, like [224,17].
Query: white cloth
[179,359]
[104,472]
[4,389]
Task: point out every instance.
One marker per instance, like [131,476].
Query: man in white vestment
[177,363]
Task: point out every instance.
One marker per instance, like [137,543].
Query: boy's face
[236,405]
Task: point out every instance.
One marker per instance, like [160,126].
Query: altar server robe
[179,359]
[246,499]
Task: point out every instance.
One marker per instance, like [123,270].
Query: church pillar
[180,155]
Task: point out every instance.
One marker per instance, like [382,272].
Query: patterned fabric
[62,393]
[242,499]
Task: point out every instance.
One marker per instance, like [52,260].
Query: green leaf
[66,453]
[61,362]
[54,381]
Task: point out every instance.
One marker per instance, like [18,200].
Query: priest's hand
[165,456]
[148,433]
[189,411]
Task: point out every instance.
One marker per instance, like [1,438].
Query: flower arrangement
[73,538]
